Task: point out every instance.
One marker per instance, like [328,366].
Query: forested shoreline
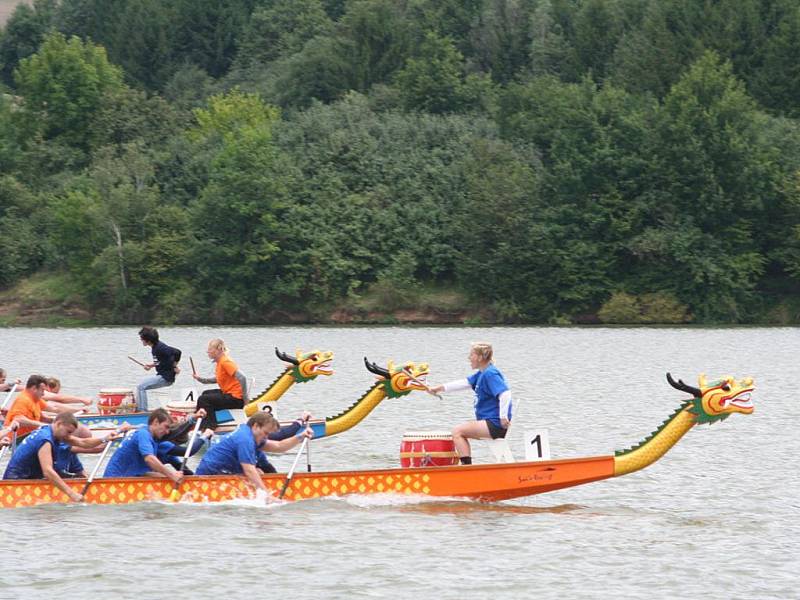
[510,161]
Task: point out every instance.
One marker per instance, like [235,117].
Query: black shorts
[495,431]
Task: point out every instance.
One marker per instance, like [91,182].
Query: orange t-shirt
[26,405]
[225,379]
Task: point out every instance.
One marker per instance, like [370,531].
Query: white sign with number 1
[537,444]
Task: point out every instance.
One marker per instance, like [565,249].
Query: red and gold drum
[115,400]
[427,449]
[181,410]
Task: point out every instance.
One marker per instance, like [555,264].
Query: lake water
[717,517]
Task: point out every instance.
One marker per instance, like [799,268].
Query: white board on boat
[537,444]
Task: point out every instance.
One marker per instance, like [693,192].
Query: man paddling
[42,450]
[239,452]
[28,408]
[170,452]
[137,455]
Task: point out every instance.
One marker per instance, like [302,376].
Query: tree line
[553,161]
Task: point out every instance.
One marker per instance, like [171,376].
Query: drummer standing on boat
[165,361]
[492,401]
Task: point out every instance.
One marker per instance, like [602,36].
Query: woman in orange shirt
[232,391]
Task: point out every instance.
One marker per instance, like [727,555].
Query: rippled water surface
[717,517]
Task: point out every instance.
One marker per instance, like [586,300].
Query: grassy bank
[53,300]
[43,300]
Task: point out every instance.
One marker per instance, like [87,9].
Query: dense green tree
[207,31]
[598,27]
[281,29]
[236,217]
[711,178]
[379,40]
[652,56]
[127,115]
[502,38]
[435,82]
[63,85]
[23,34]
[321,71]
[551,52]
[777,82]
[22,249]
[141,42]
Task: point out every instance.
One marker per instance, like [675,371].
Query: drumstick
[191,362]
[136,361]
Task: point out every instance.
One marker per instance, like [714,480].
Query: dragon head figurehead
[399,380]
[308,365]
[717,400]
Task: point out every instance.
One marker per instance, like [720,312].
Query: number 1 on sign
[537,445]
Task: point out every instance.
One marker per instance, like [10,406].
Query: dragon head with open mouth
[717,400]
[308,365]
[400,379]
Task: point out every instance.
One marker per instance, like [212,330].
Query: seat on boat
[500,448]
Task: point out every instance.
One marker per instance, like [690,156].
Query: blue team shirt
[128,460]
[24,463]
[228,455]
[67,462]
[488,385]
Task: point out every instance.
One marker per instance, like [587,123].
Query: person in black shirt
[165,361]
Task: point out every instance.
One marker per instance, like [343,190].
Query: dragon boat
[710,402]
[301,368]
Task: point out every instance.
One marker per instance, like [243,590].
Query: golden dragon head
[308,365]
[401,379]
[717,400]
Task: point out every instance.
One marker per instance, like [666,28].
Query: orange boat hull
[482,482]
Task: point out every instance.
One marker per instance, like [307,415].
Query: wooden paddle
[174,495]
[191,362]
[141,364]
[109,443]
[294,466]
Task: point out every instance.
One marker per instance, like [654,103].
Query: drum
[428,449]
[115,400]
[179,410]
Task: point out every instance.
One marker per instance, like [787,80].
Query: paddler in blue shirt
[169,452]
[493,404]
[137,455]
[239,452]
[43,451]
